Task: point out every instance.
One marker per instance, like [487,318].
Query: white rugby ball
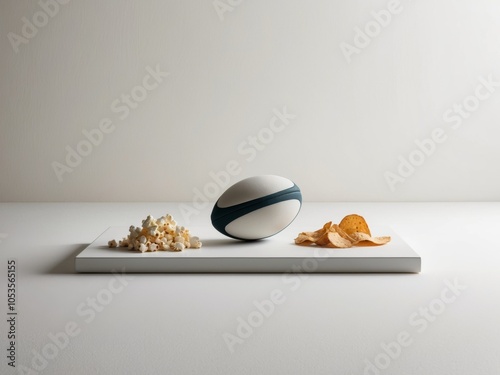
[257,207]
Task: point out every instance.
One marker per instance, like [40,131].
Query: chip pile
[352,230]
[162,234]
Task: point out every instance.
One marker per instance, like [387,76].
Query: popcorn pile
[162,234]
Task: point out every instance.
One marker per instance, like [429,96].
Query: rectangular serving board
[275,254]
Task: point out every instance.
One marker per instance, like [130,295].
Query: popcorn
[179,246]
[195,242]
[158,235]
[124,242]
[153,230]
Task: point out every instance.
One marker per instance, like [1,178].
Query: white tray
[275,254]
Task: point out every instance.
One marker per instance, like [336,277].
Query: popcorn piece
[195,242]
[178,246]
[148,222]
[171,220]
[112,243]
[152,230]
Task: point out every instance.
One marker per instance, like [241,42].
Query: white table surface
[326,324]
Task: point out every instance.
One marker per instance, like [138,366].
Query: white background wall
[227,75]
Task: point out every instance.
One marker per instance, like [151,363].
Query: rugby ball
[257,207]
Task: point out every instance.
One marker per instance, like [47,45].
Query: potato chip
[336,240]
[330,235]
[361,238]
[304,239]
[352,230]
[354,223]
[341,232]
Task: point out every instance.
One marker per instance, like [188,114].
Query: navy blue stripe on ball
[221,217]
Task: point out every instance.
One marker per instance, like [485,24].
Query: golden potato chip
[304,240]
[352,230]
[364,239]
[307,237]
[354,223]
[312,236]
[325,228]
[323,240]
[336,240]
[343,234]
